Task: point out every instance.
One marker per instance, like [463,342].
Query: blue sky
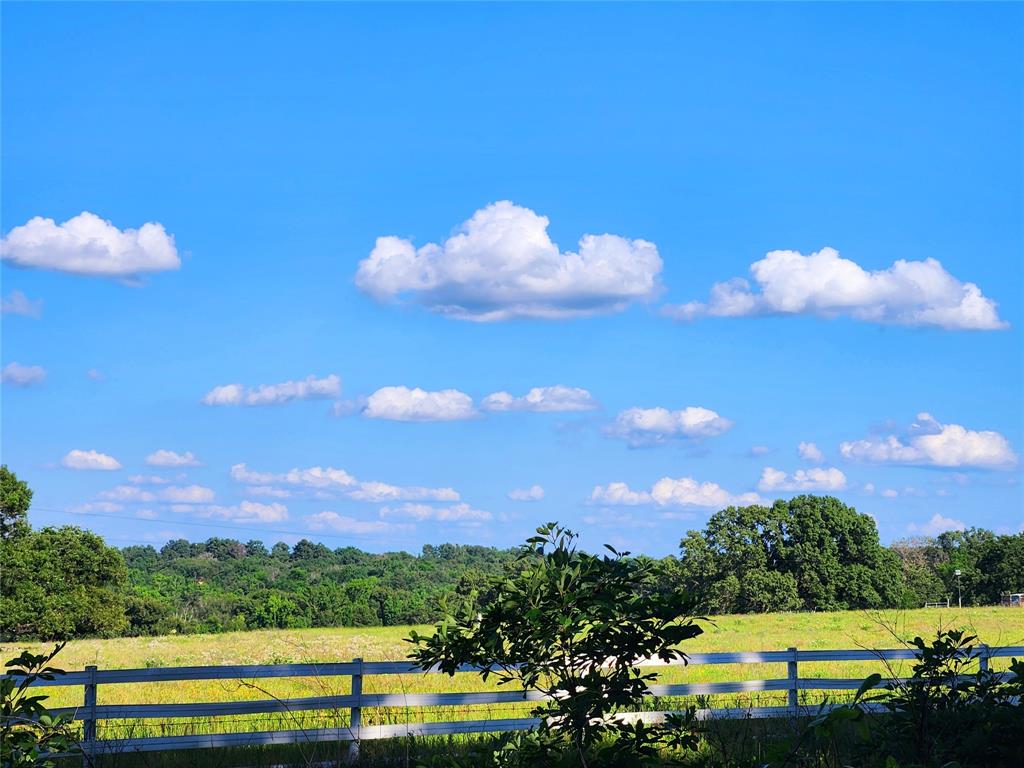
[859,166]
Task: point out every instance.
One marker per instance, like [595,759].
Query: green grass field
[994,626]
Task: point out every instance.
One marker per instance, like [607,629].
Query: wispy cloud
[310,388]
[23,376]
[17,303]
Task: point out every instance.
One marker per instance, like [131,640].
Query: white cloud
[165,458]
[502,264]
[146,514]
[247,512]
[331,479]
[619,494]
[931,443]
[376,491]
[869,488]
[109,507]
[310,388]
[189,494]
[127,493]
[147,480]
[88,245]
[311,477]
[936,524]
[672,492]
[655,426]
[350,525]
[810,452]
[17,375]
[77,459]
[268,490]
[95,375]
[907,293]
[815,479]
[759,450]
[404,404]
[17,303]
[461,513]
[533,493]
[542,400]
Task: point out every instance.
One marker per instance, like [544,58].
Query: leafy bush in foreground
[572,626]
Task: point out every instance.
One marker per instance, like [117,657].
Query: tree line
[808,553]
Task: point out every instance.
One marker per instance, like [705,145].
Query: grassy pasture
[995,626]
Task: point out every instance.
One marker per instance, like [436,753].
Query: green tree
[15,499]
[60,583]
[810,552]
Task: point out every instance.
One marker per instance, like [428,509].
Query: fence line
[356,701]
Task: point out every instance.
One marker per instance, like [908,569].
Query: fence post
[89,721]
[794,682]
[356,716]
[983,657]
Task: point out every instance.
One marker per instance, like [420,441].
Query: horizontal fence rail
[90,713]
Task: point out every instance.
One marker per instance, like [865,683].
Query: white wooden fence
[91,712]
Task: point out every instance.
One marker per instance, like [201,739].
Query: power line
[164,521]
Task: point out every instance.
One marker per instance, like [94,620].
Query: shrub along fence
[350,706]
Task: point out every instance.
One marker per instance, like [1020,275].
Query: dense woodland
[808,553]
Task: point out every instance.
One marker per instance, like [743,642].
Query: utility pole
[959,597]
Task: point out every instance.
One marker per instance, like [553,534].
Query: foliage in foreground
[28,732]
[572,626]
[950,713]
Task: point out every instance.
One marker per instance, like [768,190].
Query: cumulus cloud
[88,245]
[147,480]
[127,493]
[810,452]
[108,507]
[458,513]
[268,490]
[78,459]
[247,512]
[311,477]
[502,264]
[816,479]
[95,375]
[165,458]
[672,492]
[890,493]
[350,525]
[930,443]
[17,303]
[936,524]
[310,388]
[758,450]
[188,494]
[18,375]
[332,479]
[533,493]
[404,404]
[376,491]
[542,400]
[655,426]
[919,293]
